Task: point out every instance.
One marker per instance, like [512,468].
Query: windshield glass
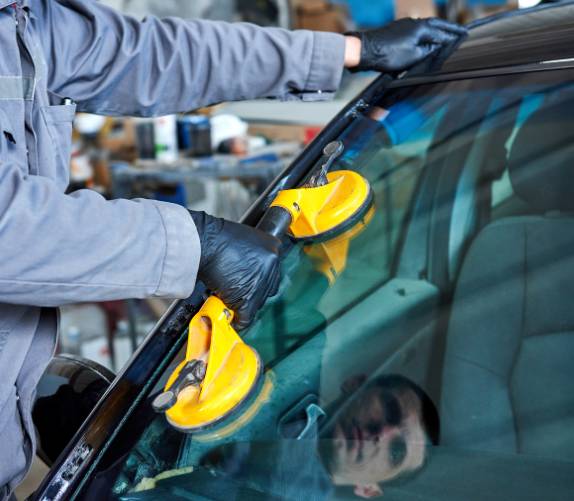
[425,353]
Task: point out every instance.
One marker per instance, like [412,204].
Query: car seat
[509,360]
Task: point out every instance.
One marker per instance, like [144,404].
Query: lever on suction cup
[332,151]
[191,375]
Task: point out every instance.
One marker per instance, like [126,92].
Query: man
[381,433]
[381,436]
[58,248]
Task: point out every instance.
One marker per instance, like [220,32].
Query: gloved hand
[403,43]
[239,264]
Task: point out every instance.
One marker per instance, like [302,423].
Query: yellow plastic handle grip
[232,368]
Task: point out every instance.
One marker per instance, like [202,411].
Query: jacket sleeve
[113,64]
[58,249]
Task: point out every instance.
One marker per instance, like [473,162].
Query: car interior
[461,283]
[505,410]
[506,364]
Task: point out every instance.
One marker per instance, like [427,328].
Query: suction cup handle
[331,152]
[275,221]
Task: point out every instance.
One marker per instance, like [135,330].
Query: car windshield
[423,354]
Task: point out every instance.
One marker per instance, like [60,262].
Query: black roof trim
[524,37]
[432,78]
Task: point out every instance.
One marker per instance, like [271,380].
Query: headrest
[541,162]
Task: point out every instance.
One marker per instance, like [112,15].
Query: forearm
[117,65]
[60,249]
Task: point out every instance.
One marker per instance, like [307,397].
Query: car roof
[532,36]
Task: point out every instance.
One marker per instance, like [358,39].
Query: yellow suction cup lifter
[322,211]
[220,371]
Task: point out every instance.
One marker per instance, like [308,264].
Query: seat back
[508,376]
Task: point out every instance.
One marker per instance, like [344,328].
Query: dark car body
[528,42]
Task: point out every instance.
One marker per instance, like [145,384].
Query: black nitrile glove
[403,43]
[239,264]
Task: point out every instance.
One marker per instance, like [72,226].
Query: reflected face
[379,437]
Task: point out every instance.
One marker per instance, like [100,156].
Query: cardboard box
[302,134]
[320,15]
[119,139]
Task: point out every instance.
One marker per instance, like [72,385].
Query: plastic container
[185,133]
[194,135]
[165,136]
[145,138]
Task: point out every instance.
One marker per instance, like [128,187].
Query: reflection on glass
[382,434]
[381,431]
[437,159]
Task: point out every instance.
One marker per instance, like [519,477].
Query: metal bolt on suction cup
[334,148]
[227,314]
[164,401]
[192,374]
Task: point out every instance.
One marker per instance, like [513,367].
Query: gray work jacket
[56,248]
